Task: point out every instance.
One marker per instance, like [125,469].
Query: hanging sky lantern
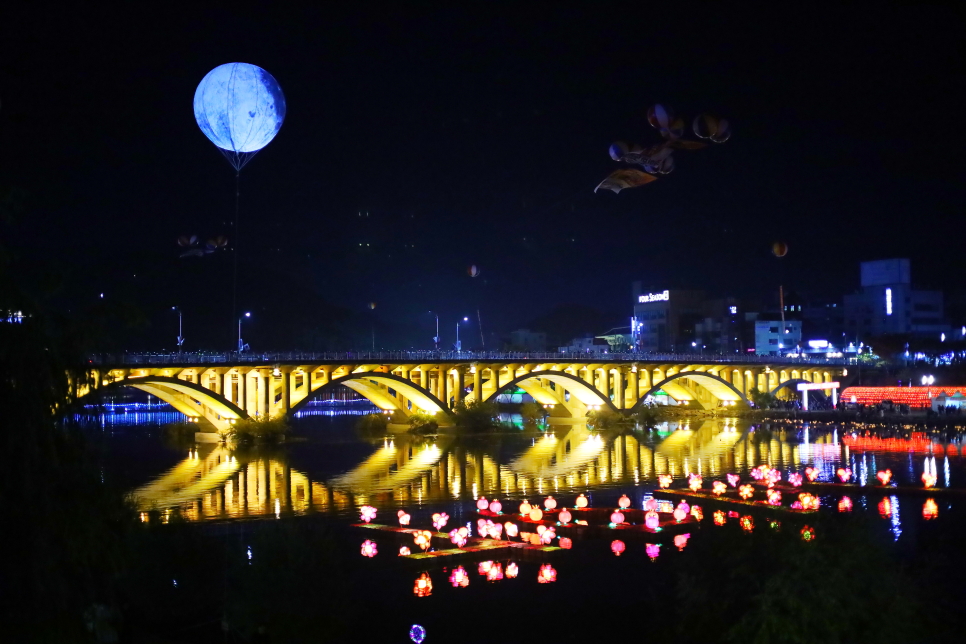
[624,502]
[779,249]
[733,480]
[496,507]
[664,481]
[482,503]
[240,108]
[845,504]
[550,503]
[369,549]
[564,516]
[652,520]
[884,477]
[929,509]
[581,502]
[617,547]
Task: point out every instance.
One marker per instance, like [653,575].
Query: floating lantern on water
[495,573]
[403,518]
[684,506]
[440,519]
[581,502]
[718,488]
[664,481]
[732,514]
[624,502]
[367,513]
[496,530]
[550,503]
[536,514]
[369,549]
[511,529]
[424,586]
[719,517]
[679,514]
[463,531]
[747,523]
[733,479]
[774,497]
[650,504]
[617,517]
[482,503]
[681,540]
[844,474]
[459,578]
[884,477]
[929,509]
[458,540]
[481,527]
[423,538]
[417,634]
[697,513]
[652,520]
[885,507]
[566,543]
[811,473]
[404,551]
[808,501]
[564,516]
[525,509]
[496,507]
[795,479]
[808,533]
[694,482]
[617,547]
[484,567]
[653,550]
[928,479]
[845,504]
[772,477]
[746,491]
[512,570]
[547,574]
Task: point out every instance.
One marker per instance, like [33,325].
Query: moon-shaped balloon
[779,249]
[240,108]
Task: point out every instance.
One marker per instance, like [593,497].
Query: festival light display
[369,548]
[367,513]
[808,501]
[885,507]
[417,634]
[617,547]
[930,510]
[795,479]
[423,586]
[511,529]
[624,502]
[845,504]
[566,543]
[746,491]
[681,540]
[808,533]
[512,570]
[652,520]
[536,514]
[404,551]
[495,573]
[550,503]
[581,502]
[733,479]
[547,574]
[525,508]
[423,538]
[664,481]
[912,396]
[440,519]
[771,477]
[747,523]
[403,518]
[844,474]
[617,517]
[679,514]
[564,517]
[719,518]
[774,497]
[928,479]
[496,507]
[653,550]
[482,503]
[697,513]
[884,477]
[718,488]
[918,442]
[811,473]
[459,578]
[694,482]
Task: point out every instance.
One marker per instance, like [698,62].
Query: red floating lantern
[617,547]
[884,477]
[624,502]
[930,510]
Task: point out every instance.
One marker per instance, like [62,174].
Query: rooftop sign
[654,297]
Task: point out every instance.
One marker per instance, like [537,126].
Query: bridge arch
[716,385]
[374,386]
[584,392]
[190,399]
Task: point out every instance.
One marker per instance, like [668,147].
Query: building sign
[654,297]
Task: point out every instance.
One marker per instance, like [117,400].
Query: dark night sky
[477,137]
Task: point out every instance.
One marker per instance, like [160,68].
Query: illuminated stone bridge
[226,387]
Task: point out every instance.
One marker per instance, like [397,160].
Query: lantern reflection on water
[459,578]
[884,477]
[484,567]
[512,570]
[681,540]
[747,523]
[581,502]
[885,507]
[369,548]
[928,479]
[495,573]
[617,547]
[808,533]
[719,517]
[367,513]
[566,543]
[653,550]
[929,509]
[423,586]
[547,574]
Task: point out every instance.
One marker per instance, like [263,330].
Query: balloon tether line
[234,277]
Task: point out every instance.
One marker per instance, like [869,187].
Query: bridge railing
[282,357]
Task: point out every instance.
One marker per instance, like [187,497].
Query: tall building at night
[887,304]
[664,320]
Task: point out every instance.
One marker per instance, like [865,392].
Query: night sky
[474,136]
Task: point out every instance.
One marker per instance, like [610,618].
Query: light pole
[241,345]
[459,347]
[180,337]
[436,337]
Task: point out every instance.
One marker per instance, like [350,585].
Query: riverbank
[824,415]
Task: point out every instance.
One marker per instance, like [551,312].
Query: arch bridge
[224,391]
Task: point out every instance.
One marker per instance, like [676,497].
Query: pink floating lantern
[617,517]
[681,540]
[624,502]
[525,508]
[484,567]
[496,530]
[884,477]
[617,547]
[733,480]
[564,516]
[653,550]
[652,520]
[495,573]
[581,502]
[511,529]
[482,503]
[547,574]
[772,477]
[369,548]
[496,507]
[679,514]
[650,505]
[367,513]
[684,506]
[440,519]
[885,507]
[547,536]
[795,479]
[403,518]
[808,501]
[550,503]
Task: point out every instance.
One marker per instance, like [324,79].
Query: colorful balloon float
[779,249]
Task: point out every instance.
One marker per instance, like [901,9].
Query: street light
[241,345]
[180,337]
[436,337]
[458,346]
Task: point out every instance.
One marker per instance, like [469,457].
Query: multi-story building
[664,320]
[774,337]
[888,304]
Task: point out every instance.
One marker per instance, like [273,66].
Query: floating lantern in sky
[423,586]
[482,503]
[845,504]
[746,491]
[929,509]
[550,503]
[581,502]
[624,502]
[240,108]
[564,516]
[496,507]
[732,480]
[694,482]
[525,508]
[779,249]
[367,513]
[473,271]
[547,574]
[795,479]
[811,473]
[844,474]
[617,547]
[459,578]
[652,520]
[884,477]
[369,549]
[718,488]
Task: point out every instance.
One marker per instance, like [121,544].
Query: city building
[887,304]
[664,320]
[586,345]
[527,340]
[772,340]
[726,327]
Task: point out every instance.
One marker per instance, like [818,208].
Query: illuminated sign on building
[818,344]
[733,309]
[655,297]
[888,301]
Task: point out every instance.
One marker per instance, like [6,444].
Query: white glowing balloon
[240,108]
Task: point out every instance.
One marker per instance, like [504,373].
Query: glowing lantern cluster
[624,502]
[718,488]
[459,536]
[617,547]
[884,477]
[885,507]
[719,518]
[566,543]
[845,504]
[929,509]
[760,472]
[928,479]
[732,480]
[547,574]
[525,508]
[546,535]
[496,507]
[482,503]
[581,502]
[487,528]
[404,551]
[664,481]
[808,533]
[511,529]
[808,501]
[747,523]
[774,497]
[811,473]
[550,503]
[459,578]
[844,474]
[440,519]
[652,520]
[403,517]
[512,570]
[746,491]
[564,517]
[697,513]
[681,540]
[795,479]
[495,573]
[369,548]
[424,586]
[367,513]
[772,477]
[423,538]
[653,550]
[694,482]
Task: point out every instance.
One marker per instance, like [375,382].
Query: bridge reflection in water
[214,482]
